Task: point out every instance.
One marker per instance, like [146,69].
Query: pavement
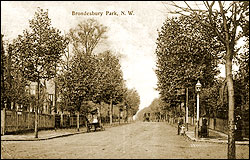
[213,137]
[48,134]
[43,135]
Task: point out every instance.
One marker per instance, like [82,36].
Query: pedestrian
[238,130]
[180,123]
[95,121]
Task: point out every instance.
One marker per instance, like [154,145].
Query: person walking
[180,123]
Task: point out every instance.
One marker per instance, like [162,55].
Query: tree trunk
[187,109]
[78,121]
[61,121]
[194,104]
[110,111]
[2,75]
[85,121]
[4,121]
[8,78]
[55,91]
[99,115]
[231,122]
[127,114]
[119,117]
[36,109]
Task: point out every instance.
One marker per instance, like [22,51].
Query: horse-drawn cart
[93,121]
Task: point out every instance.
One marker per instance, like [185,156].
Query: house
[47,96]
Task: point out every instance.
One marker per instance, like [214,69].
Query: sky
[133,36]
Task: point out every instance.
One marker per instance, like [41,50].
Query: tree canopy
[186,52]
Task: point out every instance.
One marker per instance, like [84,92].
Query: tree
[242,76]
[225,22]
[209,100]
[16,85]
[13,83]
[185,52]
[131,101]
[39,50]
[86,36]
[111,84]
[83,73]
[79,79]
[242,80]
[77,84]
[155,109]
[3,62]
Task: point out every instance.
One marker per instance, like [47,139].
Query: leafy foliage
[32,57]
[111,83]
[13,83]
[3,69]
[41,48]
[185,52]
[131,101]
[242,79]
[89,76]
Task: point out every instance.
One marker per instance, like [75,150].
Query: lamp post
[198,89]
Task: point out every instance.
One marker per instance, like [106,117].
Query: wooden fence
[14,121]
[66,121]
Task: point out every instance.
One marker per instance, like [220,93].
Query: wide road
[137,140]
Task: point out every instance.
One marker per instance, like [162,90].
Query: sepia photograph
[124,79]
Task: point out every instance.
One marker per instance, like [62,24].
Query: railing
[14,121]
[215,124]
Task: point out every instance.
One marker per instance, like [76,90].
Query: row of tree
[190,47]
[82,77]
[187,51]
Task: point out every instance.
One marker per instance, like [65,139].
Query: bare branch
[235,24]
[188,9]
[210,7]
[188,6]
[224,21]
[205,5]
[166,7]
[212,4]
[197,5]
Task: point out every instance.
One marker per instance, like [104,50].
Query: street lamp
[198,89]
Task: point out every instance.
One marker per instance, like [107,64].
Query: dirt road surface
[147,140]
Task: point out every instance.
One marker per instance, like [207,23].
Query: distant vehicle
[146,117]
